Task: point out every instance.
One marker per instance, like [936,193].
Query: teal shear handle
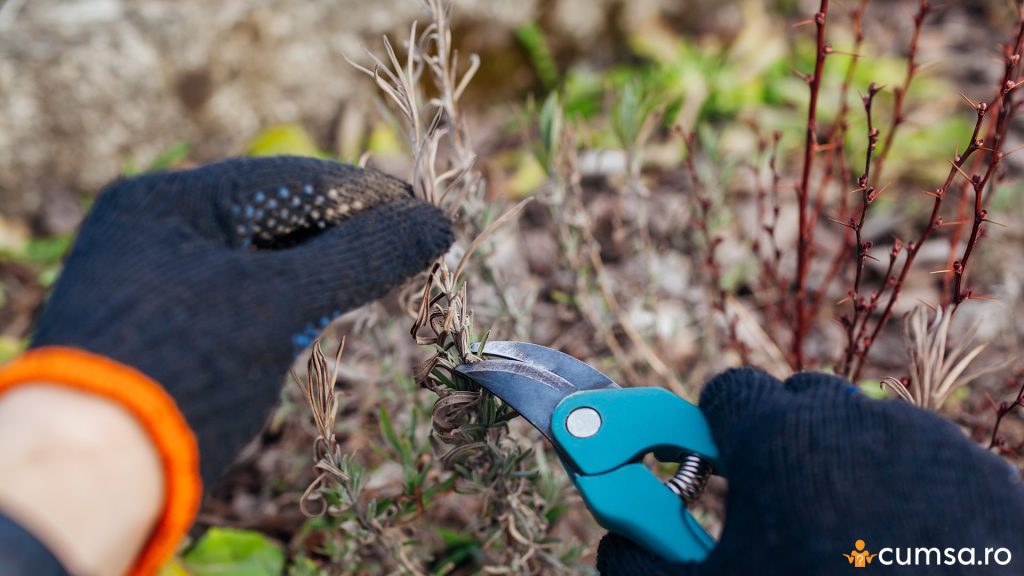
[603,435]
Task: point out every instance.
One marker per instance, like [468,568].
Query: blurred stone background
[86,85]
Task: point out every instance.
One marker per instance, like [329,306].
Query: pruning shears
[601,433]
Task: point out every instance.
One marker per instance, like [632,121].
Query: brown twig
[806,232]
[866,336]
[837,155]
[836,142]
[1007,110]
[773,225]
[703,225]
[769,253]
[1003,410]
[868,193]
[856,324]
[899,114]
[1002,102]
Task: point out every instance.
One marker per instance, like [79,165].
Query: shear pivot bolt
[583,422]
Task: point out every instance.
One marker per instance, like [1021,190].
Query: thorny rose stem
[899,115]
[861,307]
[803,193]
[1013,56]
[865,342]
[1007,110]
[837,153]
[1002,410]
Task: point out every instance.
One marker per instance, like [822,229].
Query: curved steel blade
[579,373]
[531,391]
[533,379]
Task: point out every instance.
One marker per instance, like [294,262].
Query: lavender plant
[470,425]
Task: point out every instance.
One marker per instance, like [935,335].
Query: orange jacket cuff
[155,410]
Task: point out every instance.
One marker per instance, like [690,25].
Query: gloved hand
[813,466]
[210,281]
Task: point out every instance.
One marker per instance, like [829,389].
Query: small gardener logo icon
[859,557]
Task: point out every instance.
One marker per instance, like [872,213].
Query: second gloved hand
[814,466]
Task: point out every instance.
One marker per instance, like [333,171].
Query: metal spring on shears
[689,481]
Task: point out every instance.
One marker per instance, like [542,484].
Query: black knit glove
[813,466]
[211,280]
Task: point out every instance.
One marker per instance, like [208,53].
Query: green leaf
[48,275]
[584,94]
[230,552]
[165,160]
[459,548]
[630,113]
[171,157]
[384,140]
[48,250]
[173,568]
[872,389]
[388,431]
[10,347]
[528,177]
[549,125]
[290,139]
[304,566]
[537,49]
[563,297]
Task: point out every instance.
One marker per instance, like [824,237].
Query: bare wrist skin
[81,474]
